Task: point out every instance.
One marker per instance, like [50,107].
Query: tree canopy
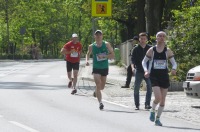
[49,24]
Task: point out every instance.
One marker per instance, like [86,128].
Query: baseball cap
[98,31]
[74,35]
[135,38]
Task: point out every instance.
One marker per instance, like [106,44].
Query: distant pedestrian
[72,51]
[35,51]
[130,74]
[102,51]
[138,54]
[158,72]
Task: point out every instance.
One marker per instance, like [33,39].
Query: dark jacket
[137,56]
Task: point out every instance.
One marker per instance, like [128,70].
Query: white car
[192,84]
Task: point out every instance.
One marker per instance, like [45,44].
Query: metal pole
[13,51]
[7,24]
[23,47]
[93,26]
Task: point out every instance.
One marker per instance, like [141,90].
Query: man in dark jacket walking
[130,74]
[138,54]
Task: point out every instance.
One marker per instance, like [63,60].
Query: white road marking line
[115,103]
[23,126]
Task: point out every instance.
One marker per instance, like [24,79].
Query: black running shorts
[102,72]
[70,66]
[161,80]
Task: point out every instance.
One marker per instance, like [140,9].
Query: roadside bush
[185,39]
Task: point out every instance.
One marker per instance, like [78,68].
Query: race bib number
[101,56]
[74,54]
[160,64]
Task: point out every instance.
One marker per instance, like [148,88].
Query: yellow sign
[101,8]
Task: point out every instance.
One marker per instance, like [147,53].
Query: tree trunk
[149,16]
[154,13]
[127,31]
[128,23]
[141,24]
[130,28]
[158,14]
[124,33]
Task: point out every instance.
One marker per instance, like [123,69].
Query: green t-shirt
[99,63]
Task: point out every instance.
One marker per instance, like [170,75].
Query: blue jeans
[139,76]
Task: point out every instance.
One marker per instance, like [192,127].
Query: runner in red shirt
[72,51]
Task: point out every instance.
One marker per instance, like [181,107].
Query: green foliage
[185,39]
[49,24]
[120,64]
[15,56]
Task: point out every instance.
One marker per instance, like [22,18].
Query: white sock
[160,110]
[154,106]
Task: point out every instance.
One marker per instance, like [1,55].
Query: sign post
[101,8]
[22,32]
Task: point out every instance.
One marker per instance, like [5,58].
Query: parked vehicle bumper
[192,88]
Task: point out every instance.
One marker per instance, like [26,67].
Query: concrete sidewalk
[177,104]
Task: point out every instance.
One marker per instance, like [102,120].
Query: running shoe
[74,91]
[147,107]
[125,86]
[137,108]
[101,106]
[70,83]
[152,116]
[157,122]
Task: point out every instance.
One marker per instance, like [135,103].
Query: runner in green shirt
[102,51]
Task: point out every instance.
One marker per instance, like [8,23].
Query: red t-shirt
[74,56]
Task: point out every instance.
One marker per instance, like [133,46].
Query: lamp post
[7,25]
[22,31]
[94,27]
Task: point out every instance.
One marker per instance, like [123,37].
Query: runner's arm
[171,58]
[146,59]
[144,63]
[111,54]
[64,51]
[87,57]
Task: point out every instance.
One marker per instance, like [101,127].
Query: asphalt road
[34,98]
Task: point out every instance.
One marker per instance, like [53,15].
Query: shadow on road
[196,107]
[119,111]
[87,87]
[171,111]
[84,94]
[183,128]
[38,86]
[28,85]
